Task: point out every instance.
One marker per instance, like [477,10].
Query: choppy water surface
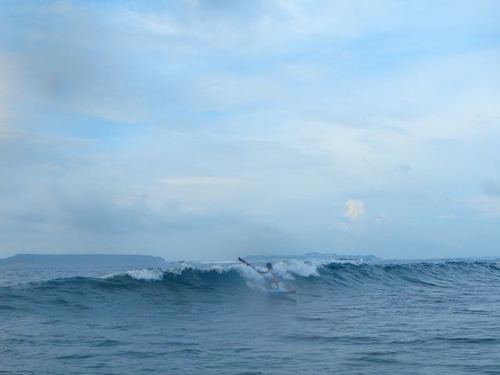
[405,318]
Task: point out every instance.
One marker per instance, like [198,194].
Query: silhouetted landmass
[85,260]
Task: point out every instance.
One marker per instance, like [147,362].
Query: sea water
[430,317]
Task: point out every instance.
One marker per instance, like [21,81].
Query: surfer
[274,286]
[269,270]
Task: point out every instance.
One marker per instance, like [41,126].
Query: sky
[213,129]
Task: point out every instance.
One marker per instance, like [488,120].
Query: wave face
[305,276]
[352,317]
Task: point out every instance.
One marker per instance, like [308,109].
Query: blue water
[440,317]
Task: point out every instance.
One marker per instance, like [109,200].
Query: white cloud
[355,210]
[261,25]
[7,87]
[221,91]
[486,206]
[448,216]
[198,180]
[491,188]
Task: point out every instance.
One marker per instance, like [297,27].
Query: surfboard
[279,291]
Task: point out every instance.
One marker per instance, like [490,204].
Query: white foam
[148,275]
[220,267]
[152,274]
[287,268]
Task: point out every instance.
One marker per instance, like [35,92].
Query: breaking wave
[297,274]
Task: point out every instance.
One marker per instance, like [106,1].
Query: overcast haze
[212,129]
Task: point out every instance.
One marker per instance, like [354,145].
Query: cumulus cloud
[355,210]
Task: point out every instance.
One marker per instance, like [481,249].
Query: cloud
[262,25]
[355,210]
[448,216]
[491,188]
[73,216]
[223,91]
[198,180]
[173,123]
[4,92]
[487,206]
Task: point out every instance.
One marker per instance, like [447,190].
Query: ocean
[346,317]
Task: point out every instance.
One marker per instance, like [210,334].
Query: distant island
[89,260]
[312,255]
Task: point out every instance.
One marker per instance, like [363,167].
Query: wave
[297,274]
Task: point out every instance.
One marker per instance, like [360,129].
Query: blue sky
[212,129]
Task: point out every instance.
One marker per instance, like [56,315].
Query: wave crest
[297,274]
